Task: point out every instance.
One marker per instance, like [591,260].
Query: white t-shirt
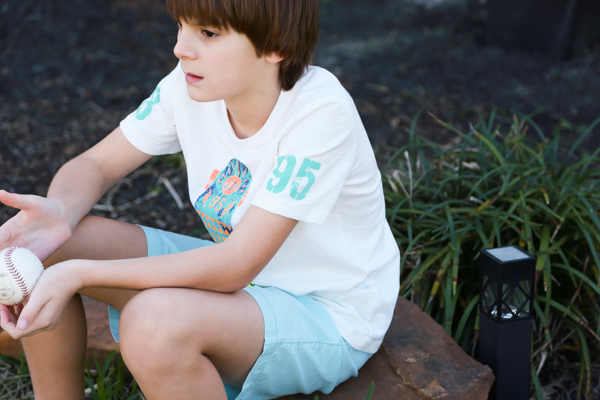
[311,161]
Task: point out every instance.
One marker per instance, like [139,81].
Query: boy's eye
[209,34]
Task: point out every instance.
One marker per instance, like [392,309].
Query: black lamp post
[506,278]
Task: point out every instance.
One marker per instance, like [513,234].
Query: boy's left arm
[225,267]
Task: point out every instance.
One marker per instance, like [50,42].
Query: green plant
[16,381]
[104,383]
[109,382]
[497,186]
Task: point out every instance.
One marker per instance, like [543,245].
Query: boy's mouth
[191,78]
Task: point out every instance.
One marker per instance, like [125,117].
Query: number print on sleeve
[283,177]
[146,107]
[301,183]
[304,179]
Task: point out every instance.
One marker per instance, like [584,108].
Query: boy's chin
[199,96]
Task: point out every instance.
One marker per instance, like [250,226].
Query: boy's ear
[274,58]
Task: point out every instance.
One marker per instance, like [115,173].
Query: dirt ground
[70,70]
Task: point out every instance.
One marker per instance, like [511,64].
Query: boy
[299,288]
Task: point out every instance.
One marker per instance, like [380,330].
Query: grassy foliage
[15,381]
[497,184]
[500,184]
[106,382]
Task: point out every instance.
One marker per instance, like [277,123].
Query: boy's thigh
[227,328]
[97,238]
[144,242]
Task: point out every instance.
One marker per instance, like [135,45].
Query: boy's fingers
[3,314]
[6,198]
[5,235]
[3,194]
[7,320]
[18,309]
[19,201]
[28,314]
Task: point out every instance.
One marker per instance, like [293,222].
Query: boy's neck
[249,112]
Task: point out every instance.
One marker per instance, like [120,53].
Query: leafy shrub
[15,382]
[108,383]
[500,184]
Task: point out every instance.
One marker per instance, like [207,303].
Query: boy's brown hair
[286,27]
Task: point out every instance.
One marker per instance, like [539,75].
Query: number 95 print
[301,183]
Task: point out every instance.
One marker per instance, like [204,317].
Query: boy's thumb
[22,323]
[28,314]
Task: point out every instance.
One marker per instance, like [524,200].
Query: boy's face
[221,64]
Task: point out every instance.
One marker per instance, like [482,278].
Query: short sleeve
[312,164]
[151,128]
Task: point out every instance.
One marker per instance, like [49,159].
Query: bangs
[214,13]
[286,27]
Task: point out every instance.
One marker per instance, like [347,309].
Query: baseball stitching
[15,274]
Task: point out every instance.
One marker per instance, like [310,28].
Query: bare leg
[178,343]
[182,343]
[56,357]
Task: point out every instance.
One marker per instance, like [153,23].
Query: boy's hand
[45,306]
[41,226]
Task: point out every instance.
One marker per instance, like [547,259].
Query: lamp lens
[489,295]
[515,300]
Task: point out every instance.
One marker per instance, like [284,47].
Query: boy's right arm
[44,224]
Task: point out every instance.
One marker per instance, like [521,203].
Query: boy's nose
[183,49]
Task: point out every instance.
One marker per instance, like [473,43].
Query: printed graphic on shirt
[224,193]
[302,181]
[146,107]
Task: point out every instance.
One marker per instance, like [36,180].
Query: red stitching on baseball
[15,274]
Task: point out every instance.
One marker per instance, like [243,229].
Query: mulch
[71,70]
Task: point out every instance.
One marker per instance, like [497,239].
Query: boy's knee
[144,320]
[146,333]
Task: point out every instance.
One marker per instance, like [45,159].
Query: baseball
[19,271]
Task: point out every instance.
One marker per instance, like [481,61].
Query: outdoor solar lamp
[506,278]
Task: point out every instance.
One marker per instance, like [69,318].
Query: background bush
[499,184]
[502,182]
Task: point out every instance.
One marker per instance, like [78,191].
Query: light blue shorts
[303,350]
